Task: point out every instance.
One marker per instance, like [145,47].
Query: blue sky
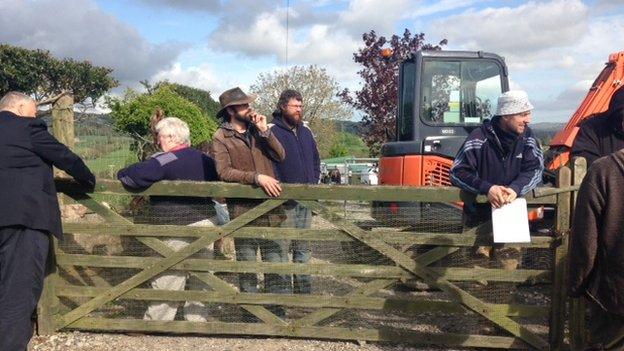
[554,48]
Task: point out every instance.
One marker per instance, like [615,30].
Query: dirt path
[76,341]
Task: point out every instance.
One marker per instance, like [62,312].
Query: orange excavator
[596,101]
[443,96]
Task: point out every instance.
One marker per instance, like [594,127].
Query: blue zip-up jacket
[183,164]
[481,162]
[302,164]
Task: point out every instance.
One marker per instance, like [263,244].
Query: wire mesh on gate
[293,263]
[338,267]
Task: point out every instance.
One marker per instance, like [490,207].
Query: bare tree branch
[52,99]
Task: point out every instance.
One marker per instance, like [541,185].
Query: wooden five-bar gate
[79,294]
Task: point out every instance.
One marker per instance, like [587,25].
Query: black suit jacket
[27,192]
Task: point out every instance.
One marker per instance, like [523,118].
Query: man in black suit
[29,211]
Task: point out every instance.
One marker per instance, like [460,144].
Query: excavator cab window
[459,92]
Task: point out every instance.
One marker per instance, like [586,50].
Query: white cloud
[564,104]
[201,77]
[378,15]
[522,34]
[608,5]
[266,35]
[80,30]
[603,37]
[554,49]
[513,85]
[324,46]
[567,61]
[187,5]
[442,6]
[206,76]
[321,38]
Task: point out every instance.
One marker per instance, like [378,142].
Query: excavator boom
[596,101]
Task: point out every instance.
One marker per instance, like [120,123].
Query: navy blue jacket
[481,162]
[27,192]
[184,164]
[302,164]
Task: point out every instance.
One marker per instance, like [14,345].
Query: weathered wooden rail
[76,292]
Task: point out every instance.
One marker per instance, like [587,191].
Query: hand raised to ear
[260,121]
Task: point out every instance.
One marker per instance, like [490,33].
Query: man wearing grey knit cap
[502,159]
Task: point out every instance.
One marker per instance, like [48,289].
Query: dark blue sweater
[183,164]
[482,163]
[302,164]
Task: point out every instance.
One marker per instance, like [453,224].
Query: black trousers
[23,254]
[606,330]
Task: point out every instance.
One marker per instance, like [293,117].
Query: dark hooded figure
[596,253]
[603,134]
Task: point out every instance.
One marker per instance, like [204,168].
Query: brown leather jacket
[240,159]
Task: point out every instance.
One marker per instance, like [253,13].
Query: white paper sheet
[510,223]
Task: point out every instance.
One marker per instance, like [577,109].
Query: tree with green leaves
[348,144]
[38,73]
[202,98]
[133,111]
[321,105]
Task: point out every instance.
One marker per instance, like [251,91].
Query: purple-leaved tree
[377,99]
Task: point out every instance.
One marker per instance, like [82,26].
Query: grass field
[105,154]
[108,165]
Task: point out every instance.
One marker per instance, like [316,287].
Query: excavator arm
[596,101]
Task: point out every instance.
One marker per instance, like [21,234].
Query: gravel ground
[78,341]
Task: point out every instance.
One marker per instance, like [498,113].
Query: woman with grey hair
[178,161]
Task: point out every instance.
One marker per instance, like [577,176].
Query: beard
[242,117]
[292,119]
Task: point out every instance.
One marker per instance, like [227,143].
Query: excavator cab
[443,96]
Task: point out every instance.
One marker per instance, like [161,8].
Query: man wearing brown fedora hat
[244,150]
[244,146]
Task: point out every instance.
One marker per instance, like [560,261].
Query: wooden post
[562,225]
[63,120]
[49,305]
[63,128]
[577,306]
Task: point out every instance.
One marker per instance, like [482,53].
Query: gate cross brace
[430,277]
[165,263]
[371,287]
[210,279]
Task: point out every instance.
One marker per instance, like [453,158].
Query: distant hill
[548,126]
[546,130]
[100,118]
